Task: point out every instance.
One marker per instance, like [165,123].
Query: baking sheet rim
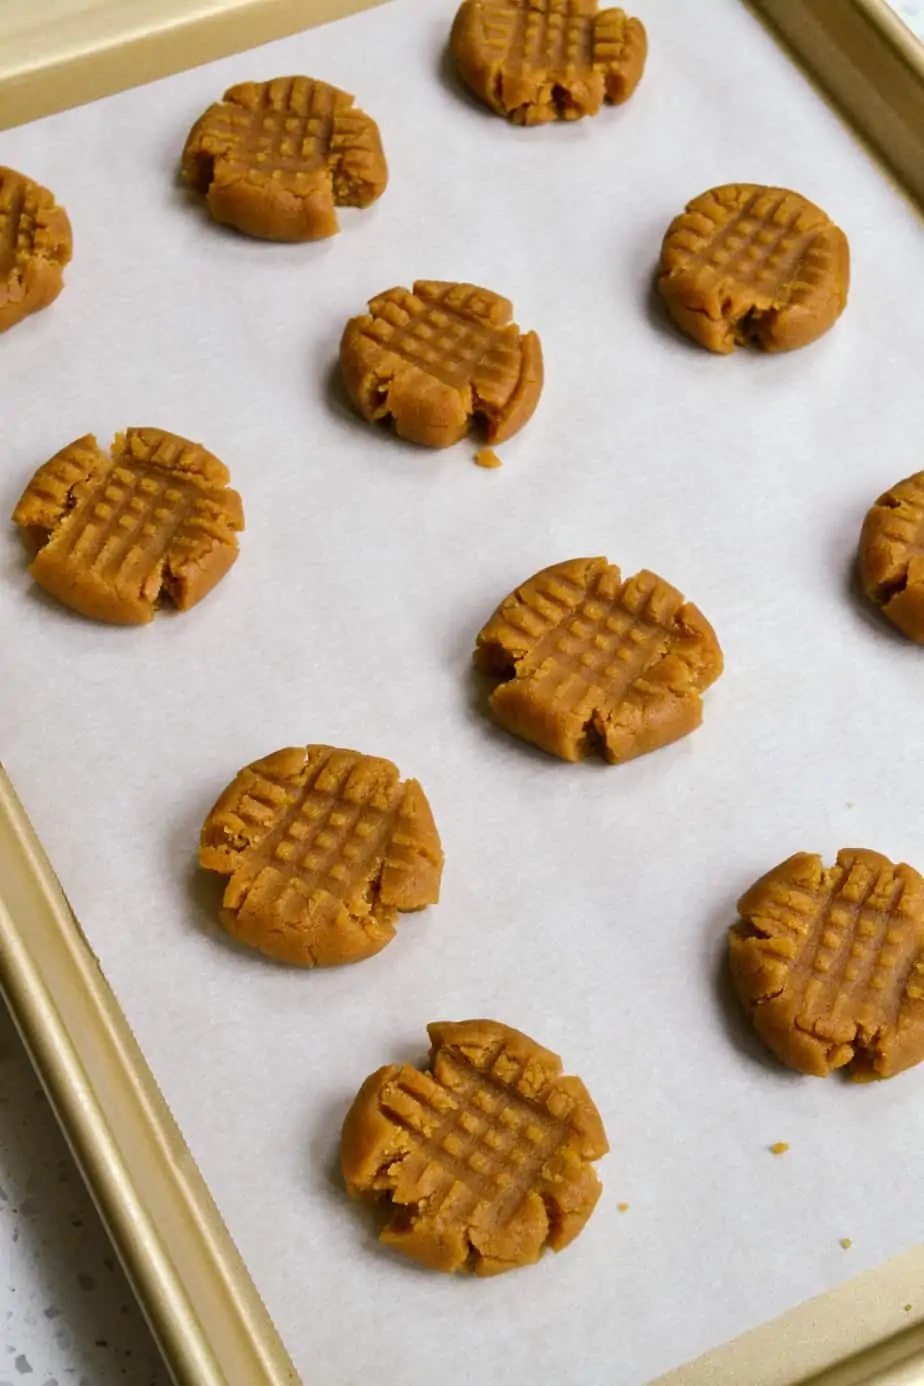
[870,66]
[194,1289]
[178,37]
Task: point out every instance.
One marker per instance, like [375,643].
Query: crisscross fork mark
[309,829]
[442,342]
[290,149]
[339,842]
[851,944]
[764,235]
[479,1141]
[133,511]
[595,636]
[281,139]
[904,522]
[500,26]
[12,206]
[550,40]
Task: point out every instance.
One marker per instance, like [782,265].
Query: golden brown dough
[590,662]
[116,534]
[35,245]
[892,555]
[323,847]
[829,963]
[485,1157]
[275,158]
[747,264]
[540,60]
[434,359]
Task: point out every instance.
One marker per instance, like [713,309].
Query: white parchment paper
[585,905]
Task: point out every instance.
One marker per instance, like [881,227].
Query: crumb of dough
[846,1243]
[622,1207]
[487,457]
[779,1147]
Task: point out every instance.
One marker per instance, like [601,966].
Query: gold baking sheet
[55,54]
[201,1304]
[58,53]
[870,65]
[194,1289]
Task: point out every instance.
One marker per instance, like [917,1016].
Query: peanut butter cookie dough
[892,555]
[275,158]
[829,963]
[539,60]
[116,534]
[323,848]
[591,662]
[485,1157]
[751,265]
[434,359]
[35,246]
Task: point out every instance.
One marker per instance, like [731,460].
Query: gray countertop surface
[69,1317]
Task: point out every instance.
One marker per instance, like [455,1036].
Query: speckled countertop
[69,1318]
